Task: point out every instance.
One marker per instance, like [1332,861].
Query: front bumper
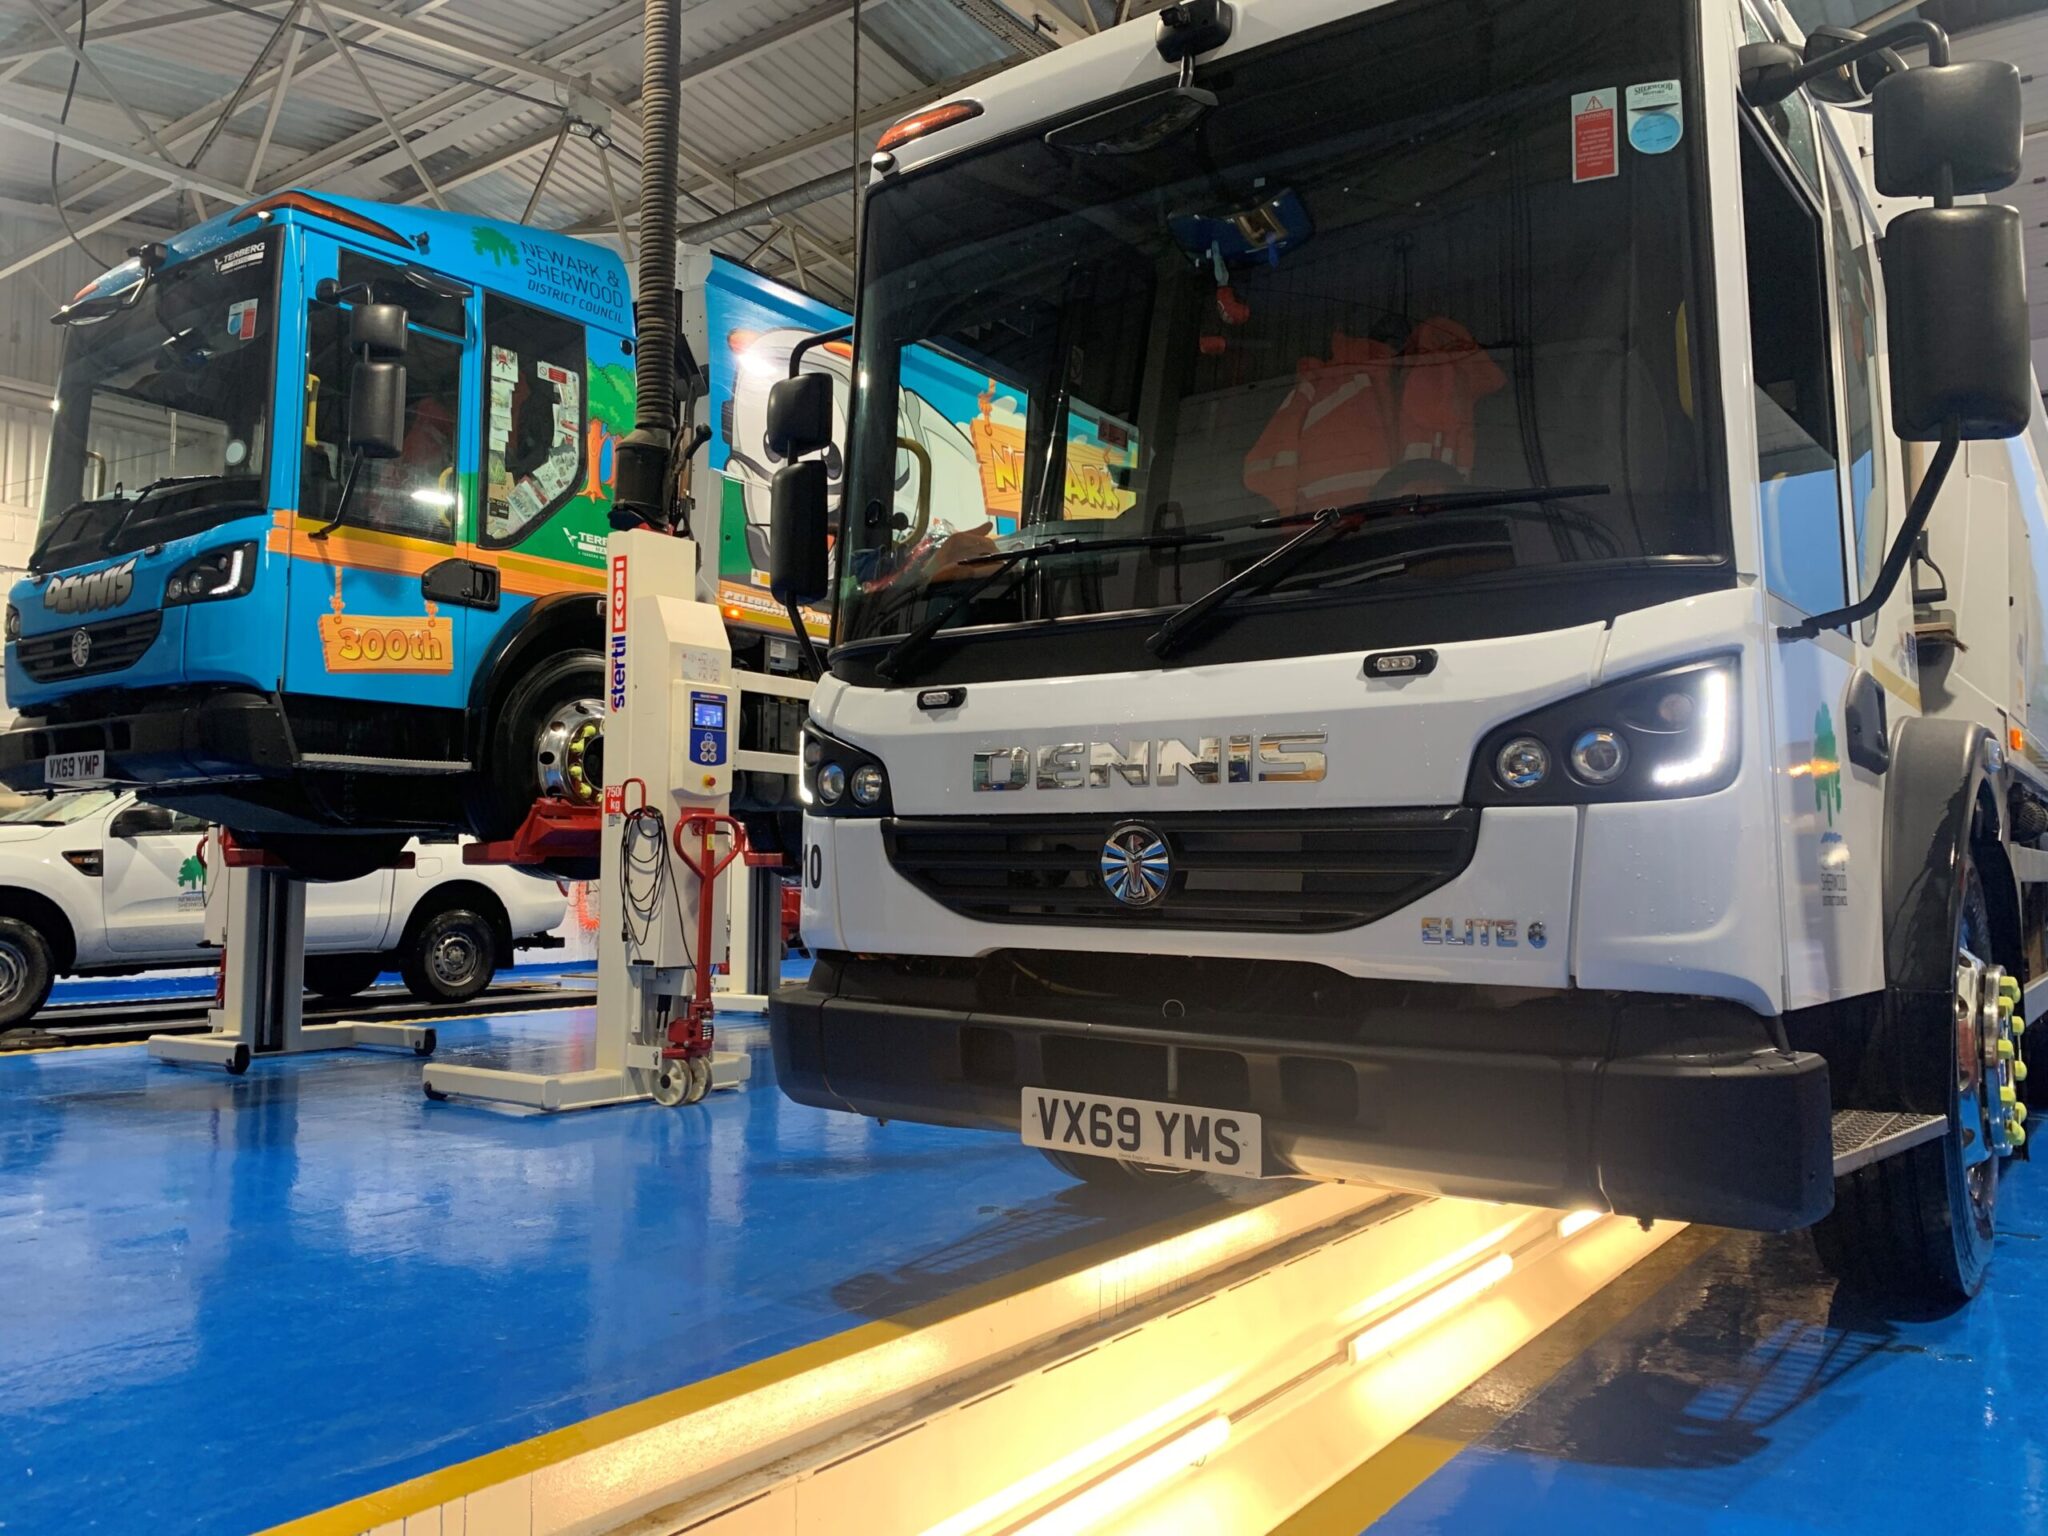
[1660,1107]
[179,735]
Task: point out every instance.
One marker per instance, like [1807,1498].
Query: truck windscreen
[1433,249]
[171,396]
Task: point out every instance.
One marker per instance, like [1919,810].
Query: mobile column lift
[256,911]
[664,839]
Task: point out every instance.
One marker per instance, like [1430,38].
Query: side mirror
[378,330]
[376,409]
[1962,117]
[1956,308]
[141,821]
[799,533]
[800,415]
[1851,84]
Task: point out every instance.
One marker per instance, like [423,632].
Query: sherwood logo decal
[95,589]
[1277,757]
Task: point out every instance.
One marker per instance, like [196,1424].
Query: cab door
[153,883]
[1825,490]
[383,579]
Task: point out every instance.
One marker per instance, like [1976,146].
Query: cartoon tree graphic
[486,241]
[1827,766]
[191,873]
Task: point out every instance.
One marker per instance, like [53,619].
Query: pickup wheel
[26,971]
[341,976]
[1113,1173]
[451,957]
[546,742]
[1918,1227]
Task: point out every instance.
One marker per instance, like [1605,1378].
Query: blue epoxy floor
[158,986]
[229,1302]
[1744,1398]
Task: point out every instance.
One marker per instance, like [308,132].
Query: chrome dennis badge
[1145,1131]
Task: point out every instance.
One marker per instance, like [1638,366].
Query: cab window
[1856,301]
[417,493]
[534,448]
[1794,395]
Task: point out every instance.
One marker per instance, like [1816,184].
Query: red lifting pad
[553,829]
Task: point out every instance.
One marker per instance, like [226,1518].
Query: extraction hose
[642,485]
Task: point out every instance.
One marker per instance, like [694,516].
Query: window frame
[461,527]
[1782,162]
[554,507]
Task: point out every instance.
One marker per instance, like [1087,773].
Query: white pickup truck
[93,883]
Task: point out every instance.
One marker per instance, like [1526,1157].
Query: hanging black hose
[642,489]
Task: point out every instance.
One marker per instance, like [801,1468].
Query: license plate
[61,768]
[1144,1131]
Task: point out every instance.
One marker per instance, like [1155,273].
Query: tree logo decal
[500,248]
[192,874]
[1827,766]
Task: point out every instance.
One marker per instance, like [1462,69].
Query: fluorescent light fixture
[1099,1502]
[1577,1222]
[1717,710]
[441,501]
[1043,1479]
[1439,1303]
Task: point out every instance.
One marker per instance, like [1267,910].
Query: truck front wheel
[341,976]
[546,742]
[26,971]
[1918,1226]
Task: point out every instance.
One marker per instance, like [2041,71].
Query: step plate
[1867,1136]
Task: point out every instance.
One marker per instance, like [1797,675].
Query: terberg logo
[95,589]
[1265,757]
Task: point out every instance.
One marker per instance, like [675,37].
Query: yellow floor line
[1365,1493]
[432,1489]
[195,1034]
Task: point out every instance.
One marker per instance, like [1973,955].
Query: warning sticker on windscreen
[1595,147]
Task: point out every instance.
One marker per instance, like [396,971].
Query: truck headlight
[1664,735]
[13,623]
[841,779]
[220,573]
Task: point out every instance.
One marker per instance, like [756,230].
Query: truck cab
[322,540]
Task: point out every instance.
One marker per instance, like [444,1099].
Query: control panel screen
[707,715]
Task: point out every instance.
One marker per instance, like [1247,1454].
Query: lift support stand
[262,1006]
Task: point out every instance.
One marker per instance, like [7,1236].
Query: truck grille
[115,643]
[1298,871]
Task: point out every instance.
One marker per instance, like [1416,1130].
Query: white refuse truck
[1548,706]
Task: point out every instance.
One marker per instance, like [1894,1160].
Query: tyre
[1111,1173]
[340,976]
[547,740]
[1918,1227]
[450,957]
[330,856]
[26,971]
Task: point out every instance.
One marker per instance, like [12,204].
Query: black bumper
[183,735]
[1664,1107]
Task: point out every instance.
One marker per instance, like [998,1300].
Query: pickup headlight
[1663,736]
[841,780]
[219,573]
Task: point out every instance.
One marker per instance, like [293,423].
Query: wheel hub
[568,753]
[1990,1066]
[453,959]
[13,972]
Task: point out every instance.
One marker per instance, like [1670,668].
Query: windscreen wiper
[1330,526]
[904,651]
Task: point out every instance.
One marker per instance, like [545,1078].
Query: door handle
[463,583]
